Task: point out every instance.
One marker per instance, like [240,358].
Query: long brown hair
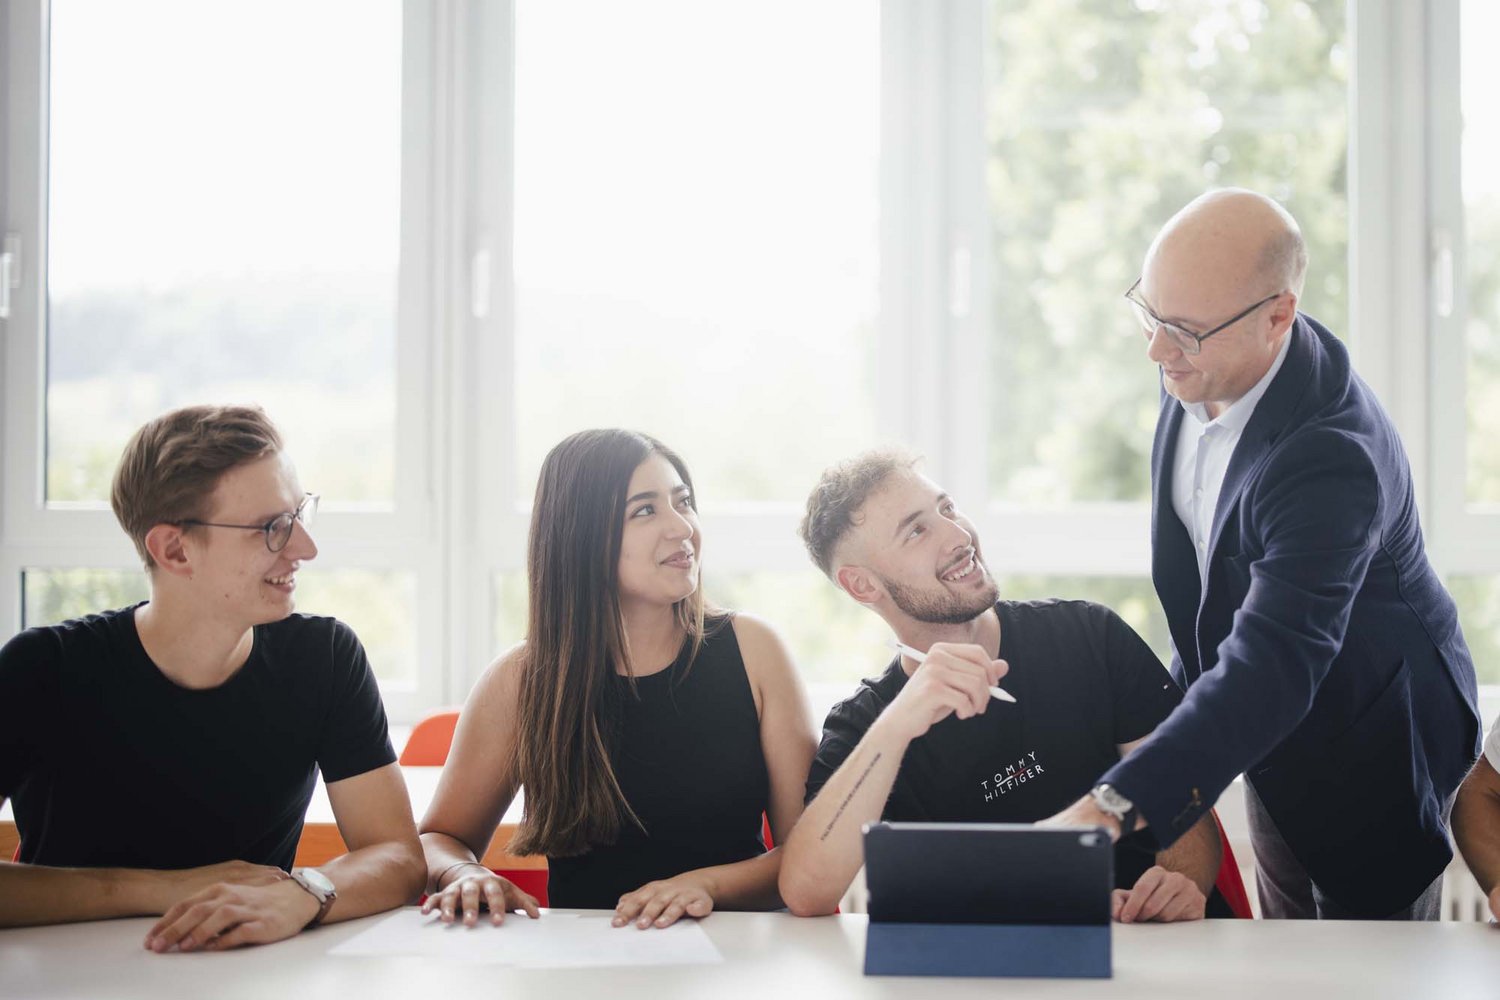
[575,639]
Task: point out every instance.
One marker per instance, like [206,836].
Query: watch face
[317,880]
[1111,801]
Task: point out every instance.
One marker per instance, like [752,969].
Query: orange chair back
[430,740]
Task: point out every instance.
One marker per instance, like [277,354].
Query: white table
[774,956]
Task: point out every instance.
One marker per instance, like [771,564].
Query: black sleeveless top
[686,751]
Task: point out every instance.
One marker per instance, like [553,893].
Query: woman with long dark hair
[649,731]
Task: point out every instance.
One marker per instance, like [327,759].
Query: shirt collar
[1237,414]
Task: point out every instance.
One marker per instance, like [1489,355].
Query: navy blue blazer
[1324,658]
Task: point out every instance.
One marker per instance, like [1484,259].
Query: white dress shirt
[1204,447]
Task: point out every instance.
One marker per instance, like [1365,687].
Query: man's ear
[859,583]
[164,543]
[1283,313]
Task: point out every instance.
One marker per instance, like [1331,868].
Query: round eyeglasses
[1188,341]
[278,530]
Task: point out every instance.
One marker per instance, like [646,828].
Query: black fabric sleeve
[845,726]
[356,737]
[1143,690]
[30,685]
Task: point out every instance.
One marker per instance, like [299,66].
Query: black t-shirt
[111,764]
[1084,683]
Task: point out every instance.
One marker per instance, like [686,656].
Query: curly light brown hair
[841,492]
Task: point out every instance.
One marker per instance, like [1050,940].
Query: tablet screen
[988,873]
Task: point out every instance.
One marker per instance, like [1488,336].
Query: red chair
[428,744]
[532,880]
[1229,883]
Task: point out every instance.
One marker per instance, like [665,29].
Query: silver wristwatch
[1110,802]
[320,887]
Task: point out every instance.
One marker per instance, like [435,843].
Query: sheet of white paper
[555,941]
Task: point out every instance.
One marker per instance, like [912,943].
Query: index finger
[525,900]
[629,905]
[1139,893]
[967,651]
[997,669]
[177,910]
[186,922]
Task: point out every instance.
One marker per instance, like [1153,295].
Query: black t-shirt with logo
[111,764]
[1084,682]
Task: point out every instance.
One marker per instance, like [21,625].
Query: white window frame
[406,538]
[455,523]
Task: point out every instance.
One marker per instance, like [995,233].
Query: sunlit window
[695,239]
[223,220]
[1480,81]
[1104,119]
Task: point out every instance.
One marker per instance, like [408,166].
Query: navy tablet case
[990,899]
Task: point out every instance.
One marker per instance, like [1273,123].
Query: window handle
[10,271]
[960,282]
[479,282]
[1442,272]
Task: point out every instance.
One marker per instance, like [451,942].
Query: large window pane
[831,638]
[507,610]
[1104,119]
[695,245]
[1133,598]
[223,222]
[1478,600]
[1480,80]
[49,596]
[379,606]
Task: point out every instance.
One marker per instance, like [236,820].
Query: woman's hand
[660,904]
[476,889]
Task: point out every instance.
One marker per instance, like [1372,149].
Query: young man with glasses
[1321,655]
[161,757]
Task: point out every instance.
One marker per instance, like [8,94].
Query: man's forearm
[824,851]
[744,885]
[36,894]
[375,878]
[1476,824]
[1196,854]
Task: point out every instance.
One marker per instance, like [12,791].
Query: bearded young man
[928,743]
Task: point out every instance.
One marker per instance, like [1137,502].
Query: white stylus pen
[920,657]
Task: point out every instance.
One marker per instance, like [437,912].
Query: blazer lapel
[1174,567]
[1271,416]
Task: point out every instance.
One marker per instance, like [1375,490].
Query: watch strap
[325,898]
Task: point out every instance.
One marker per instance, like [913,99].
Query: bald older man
[1320,653]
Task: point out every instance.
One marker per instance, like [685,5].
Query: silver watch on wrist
[1110,802]
[320,887]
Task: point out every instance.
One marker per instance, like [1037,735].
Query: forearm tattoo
[852,792]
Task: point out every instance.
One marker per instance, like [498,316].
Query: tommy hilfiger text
[1012,776]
